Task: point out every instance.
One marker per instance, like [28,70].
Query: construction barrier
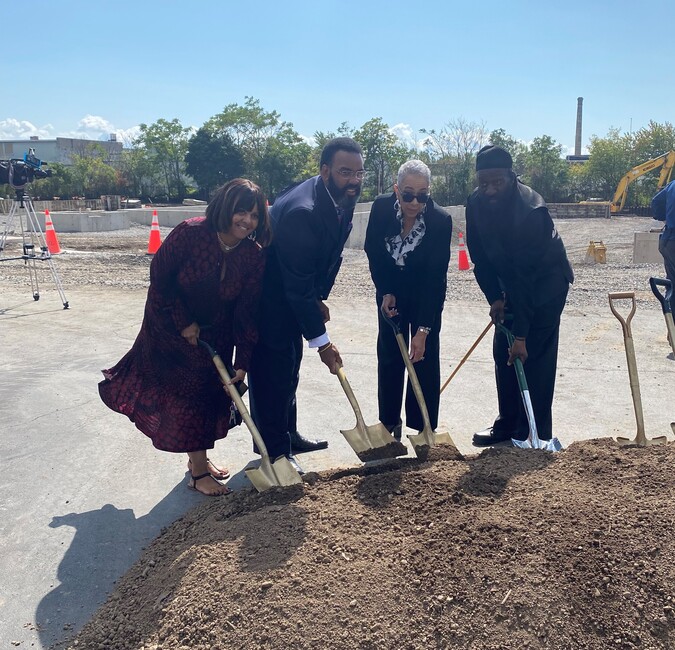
[463,258]
[155,240]
[51,239]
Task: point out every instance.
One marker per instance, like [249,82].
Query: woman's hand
[389,305]
[418,346]
[191,333]
[239,375]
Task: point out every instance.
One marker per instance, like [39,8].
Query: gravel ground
[118,259]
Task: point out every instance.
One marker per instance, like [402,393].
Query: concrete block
[646,248]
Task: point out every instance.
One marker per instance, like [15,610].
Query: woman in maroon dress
[205,282]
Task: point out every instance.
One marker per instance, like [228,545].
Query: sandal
[218,474]
[192,484]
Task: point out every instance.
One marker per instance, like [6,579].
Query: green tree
[90,175]
[517,149]
[451,154]
[274,153]
[140,176]
[212,160]
[546,171]
[383,154]
[166,144]
[609,159]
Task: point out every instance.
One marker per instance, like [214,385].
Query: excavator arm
[666,160]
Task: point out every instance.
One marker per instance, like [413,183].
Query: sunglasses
[408,197]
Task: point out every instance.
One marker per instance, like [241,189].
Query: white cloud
[12,129]
[406,134]
[90,127]
[308,139]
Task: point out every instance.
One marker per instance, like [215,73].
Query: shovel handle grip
[625,323]
[393,322]
[664,299]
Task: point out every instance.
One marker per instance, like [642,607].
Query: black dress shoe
[299,443]
[295,465]
[489,437]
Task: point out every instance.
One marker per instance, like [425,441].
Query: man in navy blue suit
[311,222]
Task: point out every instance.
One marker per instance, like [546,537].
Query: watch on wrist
[426,330]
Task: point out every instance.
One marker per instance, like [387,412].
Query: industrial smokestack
[577,139]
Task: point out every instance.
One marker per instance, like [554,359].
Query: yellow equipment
[667,160]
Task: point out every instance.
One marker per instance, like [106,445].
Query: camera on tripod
[18,173]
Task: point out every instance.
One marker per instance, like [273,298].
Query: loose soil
[507,549]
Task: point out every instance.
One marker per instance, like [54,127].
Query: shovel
[466,356]
[533,440]
[665,305]
[427,438]
[640,439]
[372,442]
[268,474]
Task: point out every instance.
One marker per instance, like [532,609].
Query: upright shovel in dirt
[268,474]
[533,440]
[665,305]
[372,442]
[427,438]
[641,438]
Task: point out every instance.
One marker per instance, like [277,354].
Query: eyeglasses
[408,197]
[348,173]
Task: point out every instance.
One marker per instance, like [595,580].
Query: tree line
[169,162]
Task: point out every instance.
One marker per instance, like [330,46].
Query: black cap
[493,157]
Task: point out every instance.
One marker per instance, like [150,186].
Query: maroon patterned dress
[167,387]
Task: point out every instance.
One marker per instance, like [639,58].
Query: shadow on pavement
[107,542]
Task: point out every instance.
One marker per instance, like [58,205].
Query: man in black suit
[311,222]
[521,266]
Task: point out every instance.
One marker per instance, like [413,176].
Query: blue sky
[89,68]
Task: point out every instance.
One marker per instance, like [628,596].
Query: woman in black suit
[408,249]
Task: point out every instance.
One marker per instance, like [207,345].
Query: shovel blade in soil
[426,439]
[265,475]
[547,445]
[373,442]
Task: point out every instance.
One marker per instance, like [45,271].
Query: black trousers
[540,371]
[391,373]
[667,249]
[273,380]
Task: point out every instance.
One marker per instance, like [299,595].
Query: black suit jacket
[302,263]
[420,285]
[519,253]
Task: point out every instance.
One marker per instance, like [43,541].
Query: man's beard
[497,204]
[340,195]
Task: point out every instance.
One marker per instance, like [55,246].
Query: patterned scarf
[398,246]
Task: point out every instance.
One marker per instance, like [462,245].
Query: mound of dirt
[508,549]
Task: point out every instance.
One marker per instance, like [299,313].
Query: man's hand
[191,333]
[517,351]
[239,375]
[331,357]
[418,346]
[325,312]
[497,311]
[388,306]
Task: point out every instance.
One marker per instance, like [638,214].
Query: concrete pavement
[83,491]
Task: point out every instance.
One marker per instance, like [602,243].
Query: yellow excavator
[666,161]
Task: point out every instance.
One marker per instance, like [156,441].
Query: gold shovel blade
[373,443]
[426,439]
[642,441]
[265,475]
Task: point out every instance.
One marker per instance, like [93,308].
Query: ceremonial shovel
[268,474]
[640,438]
[665,305]
[369,442]
[426,438]
[533,440]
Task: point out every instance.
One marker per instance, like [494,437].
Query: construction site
[462,548]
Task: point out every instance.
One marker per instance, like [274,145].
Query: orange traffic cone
[51,239]
[155,240]
[463,261]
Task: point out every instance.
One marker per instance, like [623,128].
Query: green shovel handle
[518,364]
